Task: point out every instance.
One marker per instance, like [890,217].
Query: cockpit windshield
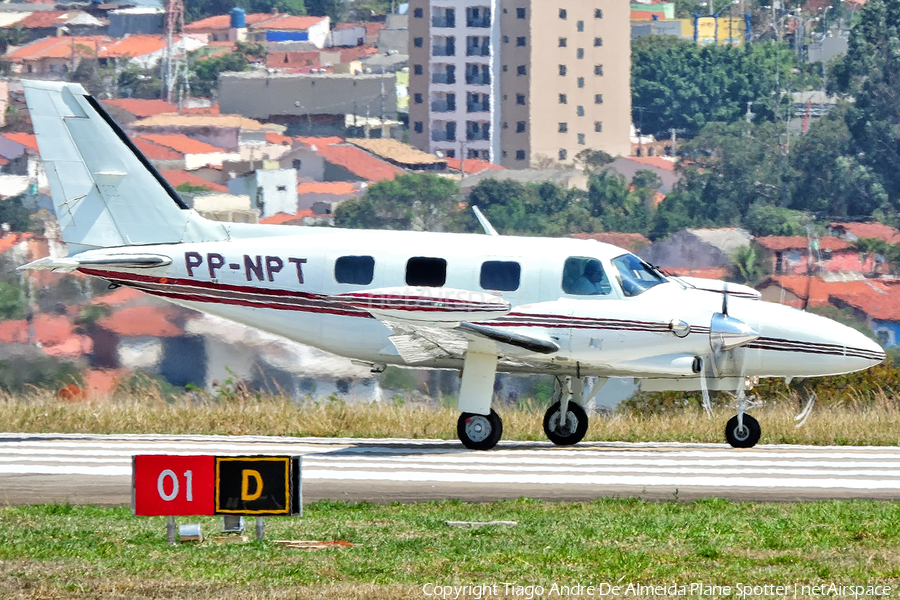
[635,275]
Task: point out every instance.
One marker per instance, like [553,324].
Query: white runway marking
[512,463]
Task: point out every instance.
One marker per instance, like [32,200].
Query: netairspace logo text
[645,590]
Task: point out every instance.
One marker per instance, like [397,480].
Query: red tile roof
[285,59]
[277,138]
[11,240]
[56,47]
[255,21]
[819,291]
[280,219]
[178,177]
[473,165]
[779,243]
[119,296]
[318,142]
[357,53]
[140,321]
[341,188]
[631,241]
[55,334]
[703,273]
[654,161]
[881,306]
[41,19]
[155,151]
[287,23]
[202,110]
[26,139]
[181,143]
[646,15]
[133,46]
[870,230]
[142,108]
[358,162]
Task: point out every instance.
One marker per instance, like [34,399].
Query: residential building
[521,83]
[272,191]
[797,255]
[263,27]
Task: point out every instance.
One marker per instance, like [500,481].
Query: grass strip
[61,551]
[873,422]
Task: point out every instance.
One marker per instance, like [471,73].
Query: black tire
[576,424]
[479,432]
[746,438]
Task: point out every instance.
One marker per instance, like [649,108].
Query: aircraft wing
[433,323]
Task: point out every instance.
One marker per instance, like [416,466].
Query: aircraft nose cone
[727,332]
[796,343]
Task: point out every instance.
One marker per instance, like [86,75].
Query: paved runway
[96,469]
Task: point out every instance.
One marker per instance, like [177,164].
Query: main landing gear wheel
[479,432]
[574,429]
[745,437]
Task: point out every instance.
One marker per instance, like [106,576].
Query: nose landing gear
[569,431]
[742,435]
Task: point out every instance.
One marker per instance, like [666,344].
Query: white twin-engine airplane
[476,303]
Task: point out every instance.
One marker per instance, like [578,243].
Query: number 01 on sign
[167,485]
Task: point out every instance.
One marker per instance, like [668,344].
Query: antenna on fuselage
[485,224]
[725,300]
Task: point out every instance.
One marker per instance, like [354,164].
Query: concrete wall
[261,96]
[271,191]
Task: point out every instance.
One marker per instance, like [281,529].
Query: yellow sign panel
[721,30]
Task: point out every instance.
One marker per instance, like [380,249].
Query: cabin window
[584,276]
[429,272]
[358,270]
[500,275]
[635,275]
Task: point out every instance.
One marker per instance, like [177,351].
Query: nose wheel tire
[479,432]
[574,429]
[745,437]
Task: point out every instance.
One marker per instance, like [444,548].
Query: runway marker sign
[173,485]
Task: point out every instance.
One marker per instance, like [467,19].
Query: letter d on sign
[246,474]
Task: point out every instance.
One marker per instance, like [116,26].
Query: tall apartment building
[521,83]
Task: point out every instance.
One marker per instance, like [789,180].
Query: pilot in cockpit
[592,281]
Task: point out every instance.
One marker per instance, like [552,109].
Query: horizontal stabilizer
[72,263]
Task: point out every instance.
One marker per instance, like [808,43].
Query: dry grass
[874,420]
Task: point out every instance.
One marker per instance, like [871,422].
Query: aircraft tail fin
[105,192]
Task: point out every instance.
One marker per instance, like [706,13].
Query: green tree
[336,9]
[14,213]
[677,84]
[422,202]
[205,71]
[765,219]
[748,265]
[133,81]
[729,167]
[616,206]
[200,9]
[12,301]
[870,73]
[87,73]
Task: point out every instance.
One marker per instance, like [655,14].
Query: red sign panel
[173,485]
